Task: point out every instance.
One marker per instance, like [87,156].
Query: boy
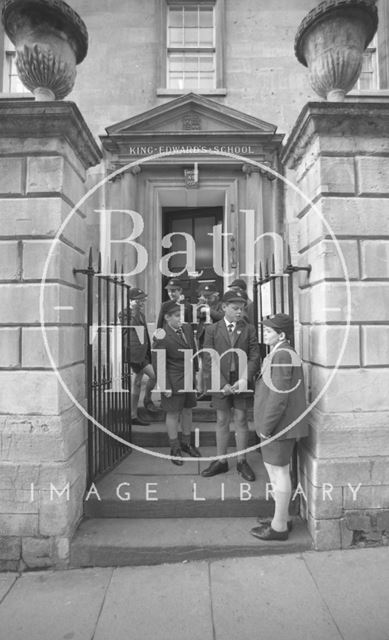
[178,404]
[231,332]
[138,354]
[175,293]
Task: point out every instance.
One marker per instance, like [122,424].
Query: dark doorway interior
[198,223]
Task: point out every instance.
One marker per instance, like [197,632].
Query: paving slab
[54,606]
[165,603]
[355,586]
[6,582]
[121,542]
[268,598]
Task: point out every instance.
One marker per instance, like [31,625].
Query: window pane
[206,17]
[191,37]
[175,17]
[191,17]
[206,63]
[176,37]
[176,63]
[206,37]
[191,63]
[191,82]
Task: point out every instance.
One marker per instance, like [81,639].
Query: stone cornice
[50,120]
[363,118]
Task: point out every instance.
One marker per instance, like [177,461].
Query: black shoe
[176,451]
[268,533]
[266,521]
[190,450]
[151,407]
[245,471]
[138,420]
[215,468]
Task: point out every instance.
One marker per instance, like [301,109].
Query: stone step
[155,434]
[117,543]
[203,412]
[126,492]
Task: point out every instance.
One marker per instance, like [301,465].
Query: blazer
[136,349]
[171,343]
[218,338]
[274,411]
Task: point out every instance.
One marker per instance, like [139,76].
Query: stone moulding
[59,120]
[330,41]
[50,40]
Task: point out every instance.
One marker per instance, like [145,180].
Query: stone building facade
[239,91]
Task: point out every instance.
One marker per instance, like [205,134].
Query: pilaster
[337,154]
[45,152]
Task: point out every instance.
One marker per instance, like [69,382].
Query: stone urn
[50,40]
[331,40]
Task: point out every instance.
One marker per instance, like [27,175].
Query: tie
[230,328]
[180,333]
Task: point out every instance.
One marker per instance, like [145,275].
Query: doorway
[198,223]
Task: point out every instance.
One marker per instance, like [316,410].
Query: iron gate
[108,377]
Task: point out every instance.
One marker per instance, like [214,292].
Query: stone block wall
[337,155]
[45,151]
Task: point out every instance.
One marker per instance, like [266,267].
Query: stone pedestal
[45,151]
[337,155]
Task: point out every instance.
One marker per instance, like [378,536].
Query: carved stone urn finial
[331,40]
[50,40]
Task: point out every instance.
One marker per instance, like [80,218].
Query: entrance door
[198,223]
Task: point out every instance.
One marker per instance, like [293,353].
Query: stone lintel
[337,119]
[60,119]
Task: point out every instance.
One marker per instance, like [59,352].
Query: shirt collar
[228,322]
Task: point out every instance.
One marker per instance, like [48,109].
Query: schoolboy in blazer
[231,332]
[279,402]
[173,339]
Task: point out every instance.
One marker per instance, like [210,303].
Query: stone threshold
[114,542]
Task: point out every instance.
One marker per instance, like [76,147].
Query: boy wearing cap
[240,285]
[175,293]
[279,401]
[137,351]
[229,333]
[174,339]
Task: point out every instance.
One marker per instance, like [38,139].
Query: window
[368,80]
[191,49]
[11,81]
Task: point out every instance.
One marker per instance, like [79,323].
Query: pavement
[303,596]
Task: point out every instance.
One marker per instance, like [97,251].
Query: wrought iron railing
[108,377]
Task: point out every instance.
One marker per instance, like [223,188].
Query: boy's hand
[227,390]
[168,393]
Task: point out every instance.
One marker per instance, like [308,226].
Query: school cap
[171,307]
[234,296]
[174,284]
[279,322]
[238,283]
[207,288]
[136,294]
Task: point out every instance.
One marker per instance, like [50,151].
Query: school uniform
[173,343]
[243,337]
[275,411]
[137,347]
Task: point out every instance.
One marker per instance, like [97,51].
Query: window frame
[372,47]
[7,48]
[218,48]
